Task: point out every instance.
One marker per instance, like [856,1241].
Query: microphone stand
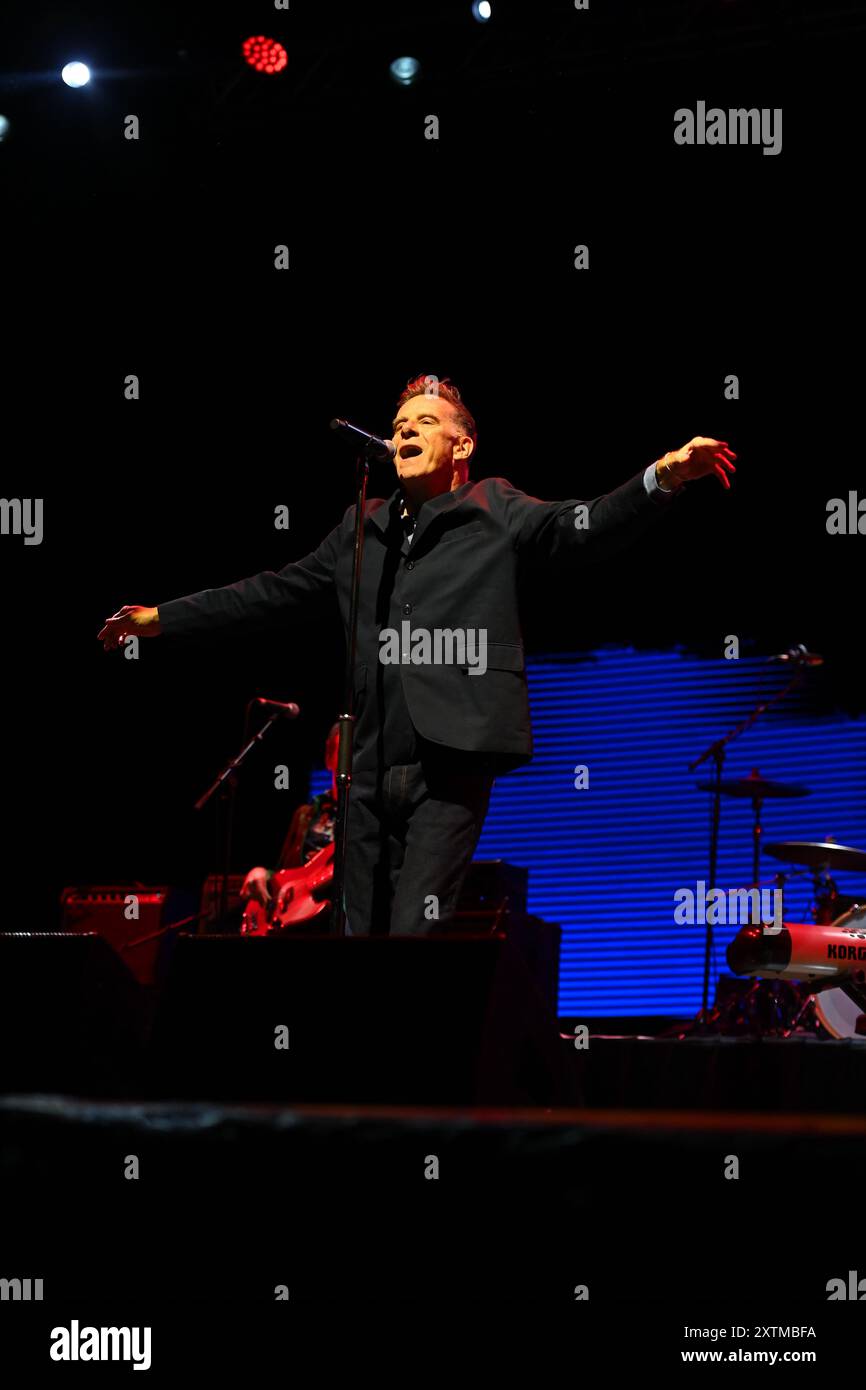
[717,750]
[226,784]
[346,720]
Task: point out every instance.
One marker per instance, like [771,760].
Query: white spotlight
[76,74]
[481,10]
[4,127]
[405,70]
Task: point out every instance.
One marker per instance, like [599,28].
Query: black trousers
[412,832]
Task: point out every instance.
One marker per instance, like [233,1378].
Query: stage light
[405,70]
[265,55]
[481,10]
[4,127]
[76,74]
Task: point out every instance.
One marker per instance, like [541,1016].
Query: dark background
[453,257]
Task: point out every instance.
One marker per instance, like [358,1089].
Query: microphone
[799,656]
[290,710]
[379,448]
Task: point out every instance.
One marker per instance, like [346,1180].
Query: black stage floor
[769,1075]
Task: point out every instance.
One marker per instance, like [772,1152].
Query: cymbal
[755,786]
[819,855]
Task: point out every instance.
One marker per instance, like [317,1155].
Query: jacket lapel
[387,514]
[437,507]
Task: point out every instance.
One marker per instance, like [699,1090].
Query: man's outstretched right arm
[259,602]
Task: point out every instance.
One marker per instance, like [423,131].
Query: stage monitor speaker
[72,1015]
[438,1020]
[493,887]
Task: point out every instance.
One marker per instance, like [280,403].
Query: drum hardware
[819,858]
[757,789]
[765,1009]
[769,1006]
[829,903]
[717,750]
[811,976]
[829,961]
[820,854]
[842,1011]
[838,1011]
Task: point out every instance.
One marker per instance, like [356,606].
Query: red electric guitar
[306,897]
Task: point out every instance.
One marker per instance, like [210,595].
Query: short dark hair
[446,390]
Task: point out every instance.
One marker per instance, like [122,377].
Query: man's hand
[255,886]
[696,459]
[133,618]
[284,898]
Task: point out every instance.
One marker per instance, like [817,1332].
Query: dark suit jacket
[460,571]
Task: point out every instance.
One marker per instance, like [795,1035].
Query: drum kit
[808,977]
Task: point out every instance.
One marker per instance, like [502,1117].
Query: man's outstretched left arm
[590,530]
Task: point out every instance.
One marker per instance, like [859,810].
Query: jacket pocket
[504,656]
[459,533]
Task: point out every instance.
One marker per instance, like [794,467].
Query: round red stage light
[265,55]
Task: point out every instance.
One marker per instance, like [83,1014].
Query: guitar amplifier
[131,917]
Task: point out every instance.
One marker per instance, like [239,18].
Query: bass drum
[834,1009]
[837,1013]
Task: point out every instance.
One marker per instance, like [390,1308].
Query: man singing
[440,687]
